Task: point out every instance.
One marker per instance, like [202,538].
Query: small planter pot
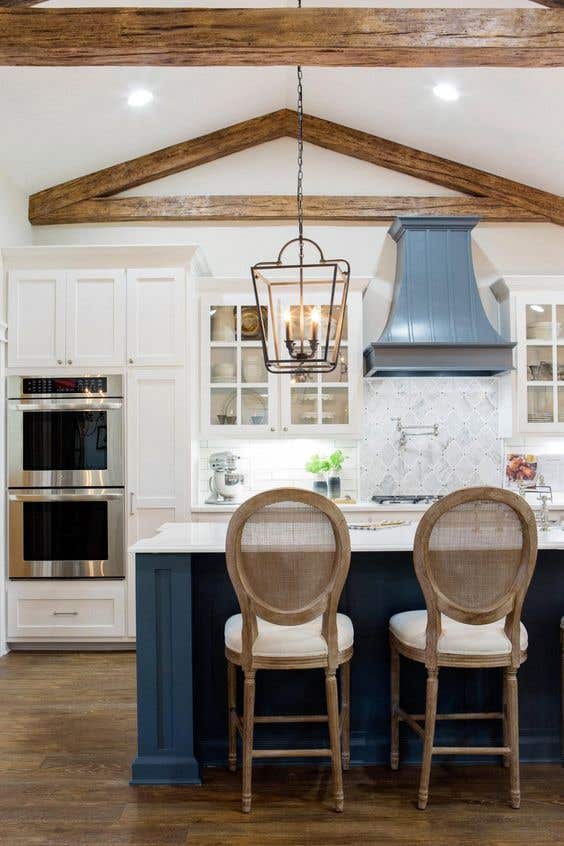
[320,485]
[334,486]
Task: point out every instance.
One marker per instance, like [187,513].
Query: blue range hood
[437,324]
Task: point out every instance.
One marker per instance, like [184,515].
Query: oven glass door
[65,443]
[66,534]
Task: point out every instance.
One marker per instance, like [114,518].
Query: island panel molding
[328,36]
[277,207]
[62,203]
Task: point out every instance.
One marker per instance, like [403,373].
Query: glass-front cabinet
[241,398]
[239,395]
[541,362]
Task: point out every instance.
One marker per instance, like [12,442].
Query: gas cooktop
[405,499]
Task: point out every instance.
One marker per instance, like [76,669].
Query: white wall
[14,230]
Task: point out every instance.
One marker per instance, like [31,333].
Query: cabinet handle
[69,361]
[131,361]
[131,504]
[65,613]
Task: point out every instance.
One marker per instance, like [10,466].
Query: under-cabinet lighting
[538,308]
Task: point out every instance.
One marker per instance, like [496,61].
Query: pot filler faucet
[224,481]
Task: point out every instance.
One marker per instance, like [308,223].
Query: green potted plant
[319,467]
[336,460]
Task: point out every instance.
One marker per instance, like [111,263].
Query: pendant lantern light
[306,338]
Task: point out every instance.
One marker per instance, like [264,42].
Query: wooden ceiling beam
[5,4]
[550,4]
[270,207]
[435,169]
[392,37]
[165,162]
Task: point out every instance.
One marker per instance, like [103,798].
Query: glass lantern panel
[303,403]
[560,323]
[223,323]
[252,365]
[254,407]
[324,309]
[334,406]
[223,407]
[539,364]
[540,406]
[539,322]
[223,364]
[250,324]
[341,371]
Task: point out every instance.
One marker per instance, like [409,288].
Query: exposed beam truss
[91,198]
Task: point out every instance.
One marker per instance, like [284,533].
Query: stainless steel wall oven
[66,476]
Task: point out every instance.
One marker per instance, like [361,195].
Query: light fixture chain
[300,190]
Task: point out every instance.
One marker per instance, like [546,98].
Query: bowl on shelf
[226,419]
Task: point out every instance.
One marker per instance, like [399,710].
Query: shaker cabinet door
[157,450]
[36,318]
[156,324]
[95,318]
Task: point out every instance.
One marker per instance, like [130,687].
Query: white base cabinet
[69,609]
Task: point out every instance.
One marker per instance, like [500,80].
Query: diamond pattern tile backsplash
[467,450]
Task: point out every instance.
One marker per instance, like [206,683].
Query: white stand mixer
[225,480]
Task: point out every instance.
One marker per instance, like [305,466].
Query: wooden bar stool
[475,552]
[288,555]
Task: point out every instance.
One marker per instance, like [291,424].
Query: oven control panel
[66,385]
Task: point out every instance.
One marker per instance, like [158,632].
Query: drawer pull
[65,613]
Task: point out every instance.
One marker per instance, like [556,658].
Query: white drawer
[66,609]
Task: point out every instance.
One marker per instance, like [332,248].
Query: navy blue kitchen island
[184,597]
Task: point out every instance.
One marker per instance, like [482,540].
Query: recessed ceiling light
[446,91]
[139,97]
[538,308]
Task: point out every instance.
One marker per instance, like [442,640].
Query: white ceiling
[58,123]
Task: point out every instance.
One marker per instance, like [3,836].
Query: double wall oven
[66,477]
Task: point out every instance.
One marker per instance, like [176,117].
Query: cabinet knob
[285,428]
[69,361]
[272,429]
[59,361]
[131,361]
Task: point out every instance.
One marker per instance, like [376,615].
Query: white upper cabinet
[155,316]
[240,398]
[36,318]
[95,318]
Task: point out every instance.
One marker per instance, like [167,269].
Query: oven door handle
[65,497]
[69,405]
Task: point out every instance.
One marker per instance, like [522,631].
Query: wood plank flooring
[68,738]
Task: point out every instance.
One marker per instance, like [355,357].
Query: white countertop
[210,537]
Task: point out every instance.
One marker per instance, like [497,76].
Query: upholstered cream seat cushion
[288,641]
[456,638]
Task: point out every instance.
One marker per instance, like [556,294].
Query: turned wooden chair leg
[505,758]
[346,713]
[430,718]
[513,730]
[334,736]
[232,714]
[248,731]
[394,706]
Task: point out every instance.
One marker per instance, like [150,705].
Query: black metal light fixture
[315,293]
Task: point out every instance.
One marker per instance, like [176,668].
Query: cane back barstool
[288,555]
[474,554]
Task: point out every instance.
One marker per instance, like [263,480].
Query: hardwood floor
[68,738]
